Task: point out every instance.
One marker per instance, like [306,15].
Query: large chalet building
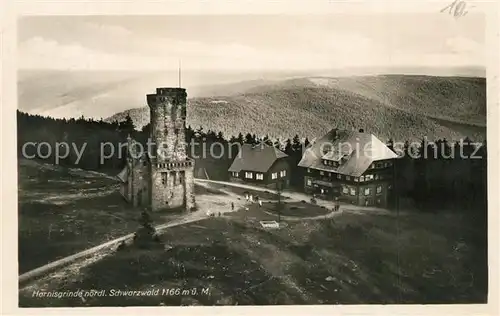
[260,164]
[354,167]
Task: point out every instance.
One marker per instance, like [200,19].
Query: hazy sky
[250,41]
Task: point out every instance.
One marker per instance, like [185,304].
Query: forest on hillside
[389,106]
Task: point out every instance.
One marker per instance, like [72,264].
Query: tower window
[164,177]
[176,131]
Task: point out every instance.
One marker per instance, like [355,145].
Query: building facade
[353,167]
[162,178]
[262,165]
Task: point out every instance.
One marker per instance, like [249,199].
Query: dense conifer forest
[433,181]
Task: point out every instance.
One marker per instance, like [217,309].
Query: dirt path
[64,198]
[292,195]
[69,266]
[72,264]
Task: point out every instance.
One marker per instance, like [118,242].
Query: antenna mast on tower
[179,73]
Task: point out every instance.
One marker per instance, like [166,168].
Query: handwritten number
[457,8]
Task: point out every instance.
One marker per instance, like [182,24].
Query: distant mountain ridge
[403,107]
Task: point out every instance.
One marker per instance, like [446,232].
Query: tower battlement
[174,95]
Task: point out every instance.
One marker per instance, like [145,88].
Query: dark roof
[123,175]
[359,150]
[258,158]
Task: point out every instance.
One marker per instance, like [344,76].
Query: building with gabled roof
[260,164]
[349,166]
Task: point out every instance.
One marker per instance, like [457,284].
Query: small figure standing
[232,206]
[251,198]
[260,203]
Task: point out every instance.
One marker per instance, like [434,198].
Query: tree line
[434,181]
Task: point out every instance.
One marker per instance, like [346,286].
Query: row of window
[375,165]
[177,178]
[368,177]
[367,191]
[352,191]
[260,176]
[274,175]
[380,164]
[330,163]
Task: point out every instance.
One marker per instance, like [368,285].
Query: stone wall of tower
[189,184]
[172,181]
[168,122]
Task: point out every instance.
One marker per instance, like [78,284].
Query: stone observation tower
[172,181]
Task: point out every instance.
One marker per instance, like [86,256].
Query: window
[329,174]
[376,177]
[367,191]
[283,173]
[326,149]
[369,177]
[379,189]
[259,176]
[348,178]
[235,174]
[308,182]
[339,176]
[362,179]
[164,177]
[345,190]
[356,179]
[353,191]
[248,175]
[321,173]
[308,170]
[274,175]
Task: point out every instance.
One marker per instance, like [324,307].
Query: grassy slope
[370,258]
[402,107]
[63,211]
